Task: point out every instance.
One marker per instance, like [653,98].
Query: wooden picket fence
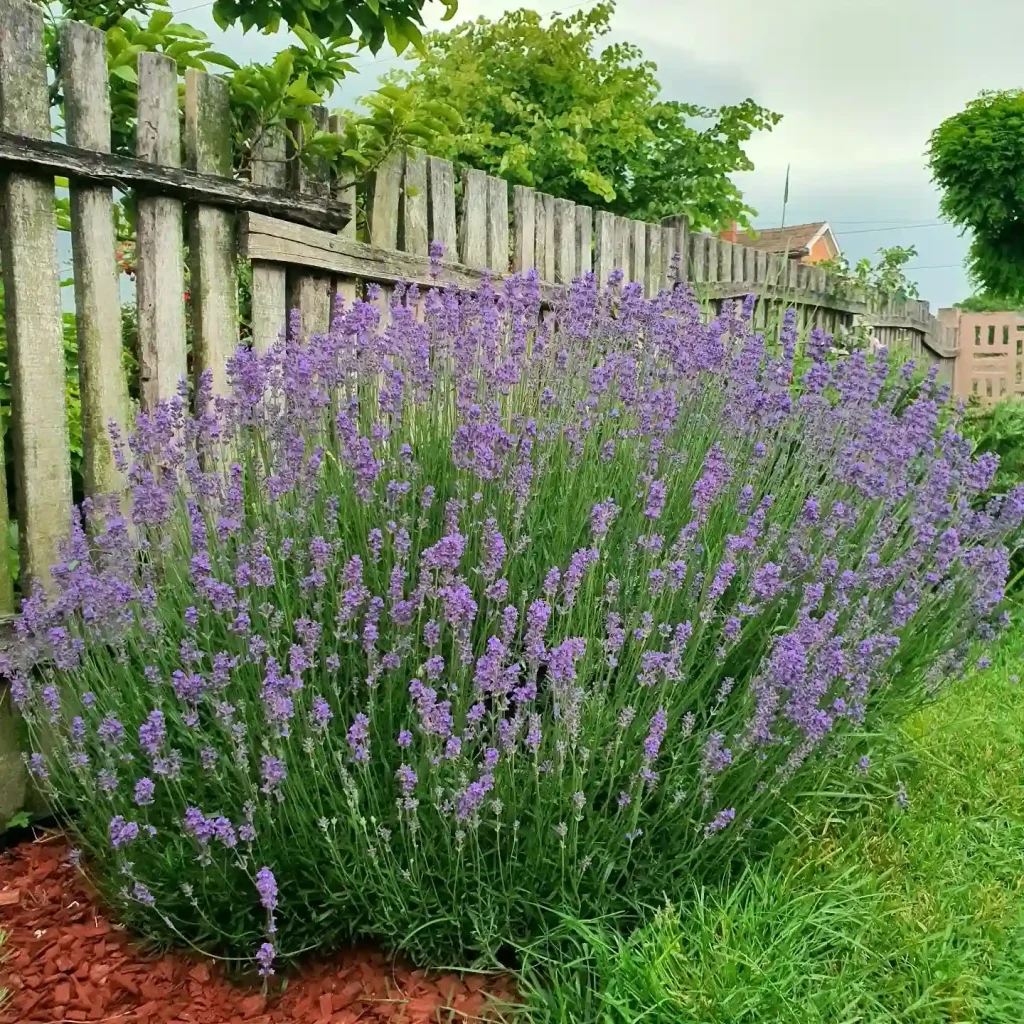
[297,228]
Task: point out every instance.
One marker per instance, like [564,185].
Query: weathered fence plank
[544,242]
[524,228]
[623,240]
[473,229]
[638,251]
[309,294]
[725,261]
[712,260]
[267,238]
[654,277]
[675,245]
[213,290]
[345,290]
[739,262]
[160,275]
[414,234]
[269,281]
[584,240]
[497,224]
[44,156]
[441,188]
[102,384]
[35,350]
[698,258]
[565,241]
[604,246]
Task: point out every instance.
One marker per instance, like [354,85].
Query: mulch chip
[66,962]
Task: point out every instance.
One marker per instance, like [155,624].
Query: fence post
[213,289]
[584,240]
[414,204]
[604,246]
[441,186]
[160,276]
[675,241]
[308,291]
[544,243]
[524,228]
[637,251]
[102,384]
[347,288]
[565,241]
[473,230]
[35,349]
[497,224]
[655,261]
[269,280]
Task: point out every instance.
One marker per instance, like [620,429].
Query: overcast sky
[860,84]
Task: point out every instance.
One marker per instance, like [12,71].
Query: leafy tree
[886,276]
[374,21]
[986,302]
[544,106]
[977,159]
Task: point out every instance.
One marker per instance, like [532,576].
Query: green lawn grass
[906,916]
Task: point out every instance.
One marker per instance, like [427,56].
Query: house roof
[795,239]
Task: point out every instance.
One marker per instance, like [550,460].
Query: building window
[1020,345]
[991,334]
[977,334]
[1020,371]
[1002,386]
[1006,334]
[988,388]
[974,387]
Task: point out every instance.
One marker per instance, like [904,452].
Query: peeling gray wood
[267,238]
[675,245]
[524,228]
[414,204]
[269,281]
[473,227]
[654,276]
[724,260]
[35,350]
[699,258]
[345,290]
[160,272]
[497,224]
[213,289]
[102,384]
[739,262]
[623,240]
[712,260]
[584,240]
[760,266]
[441,186]
[565,241]
[309,293]
[546,227]
[387,185]
[638,251]
[44,156]
[604,246]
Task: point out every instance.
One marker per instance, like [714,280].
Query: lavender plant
[434,633]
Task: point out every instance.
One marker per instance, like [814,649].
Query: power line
[896,227]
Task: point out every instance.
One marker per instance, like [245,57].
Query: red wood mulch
[64,961]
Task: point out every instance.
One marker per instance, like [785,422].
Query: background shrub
[439,634]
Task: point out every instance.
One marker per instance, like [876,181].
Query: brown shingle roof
[794,238]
